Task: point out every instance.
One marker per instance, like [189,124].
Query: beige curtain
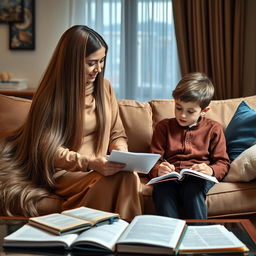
[210,39]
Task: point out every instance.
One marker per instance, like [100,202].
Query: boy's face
[187,113]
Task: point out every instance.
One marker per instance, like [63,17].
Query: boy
[189,140]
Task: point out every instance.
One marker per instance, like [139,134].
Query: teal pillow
[241,131]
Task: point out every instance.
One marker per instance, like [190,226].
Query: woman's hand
[204,168]
[104,167]
[165,168]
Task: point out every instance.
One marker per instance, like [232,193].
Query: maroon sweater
[183,146]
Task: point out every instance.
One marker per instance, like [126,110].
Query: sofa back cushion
[13,112]
[221,110]
[162,109]
[137,121]
[139,118]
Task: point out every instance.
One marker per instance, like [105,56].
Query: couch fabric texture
[225,199]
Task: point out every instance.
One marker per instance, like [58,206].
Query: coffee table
[242,228]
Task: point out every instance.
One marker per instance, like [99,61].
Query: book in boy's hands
[74,220]
[180,175]
[139,162]
[147,234]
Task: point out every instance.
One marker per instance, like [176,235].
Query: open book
[180,175]
[74,220]
[148,234]
[140,162]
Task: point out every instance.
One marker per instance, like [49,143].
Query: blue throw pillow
[241,131]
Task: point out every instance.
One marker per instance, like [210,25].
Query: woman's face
[94,64]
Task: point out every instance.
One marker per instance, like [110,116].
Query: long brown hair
[56,114]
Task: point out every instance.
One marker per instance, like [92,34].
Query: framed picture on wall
[22,34]
[11,11]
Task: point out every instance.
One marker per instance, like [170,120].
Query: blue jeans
[190,194]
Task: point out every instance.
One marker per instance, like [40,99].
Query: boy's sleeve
[158,145]
[219,158]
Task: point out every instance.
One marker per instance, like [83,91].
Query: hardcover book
[74,220]
[180,175]
[146,234]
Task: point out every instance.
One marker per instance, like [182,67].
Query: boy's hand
[204,168]
[165,168]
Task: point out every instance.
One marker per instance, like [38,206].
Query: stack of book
[92,230]
[13,85]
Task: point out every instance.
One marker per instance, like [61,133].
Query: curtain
[142,62]
[210,39]
[249,79]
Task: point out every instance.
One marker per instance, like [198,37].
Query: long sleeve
[158,145]
[184,146]
[219,158]
[114,135]
[69,160]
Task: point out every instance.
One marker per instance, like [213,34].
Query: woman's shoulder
[109,91]
[108,86]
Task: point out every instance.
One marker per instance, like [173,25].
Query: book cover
[179,176]
[74,220]
[146,234]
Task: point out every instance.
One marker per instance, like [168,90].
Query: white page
[58,221]
[209,237]
[173,175]
[140,162]
[153,230]
[87,213]
[29,236]
[167,176]
[199,174]
[105,235]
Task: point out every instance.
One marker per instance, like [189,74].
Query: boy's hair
[195,87]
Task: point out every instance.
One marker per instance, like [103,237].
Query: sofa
[224,200]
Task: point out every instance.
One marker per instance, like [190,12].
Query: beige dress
[79,186]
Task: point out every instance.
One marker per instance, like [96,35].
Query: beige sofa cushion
[231,199]
[162,109]
[223,110]
[13,112]
[137,121]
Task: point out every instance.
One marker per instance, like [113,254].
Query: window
[142,61]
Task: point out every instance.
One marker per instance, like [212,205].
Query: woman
[72,124]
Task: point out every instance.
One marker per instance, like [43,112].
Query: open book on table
[147,234]
[180,175]
[140,162]
[74,220]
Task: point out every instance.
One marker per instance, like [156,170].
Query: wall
[52,19]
